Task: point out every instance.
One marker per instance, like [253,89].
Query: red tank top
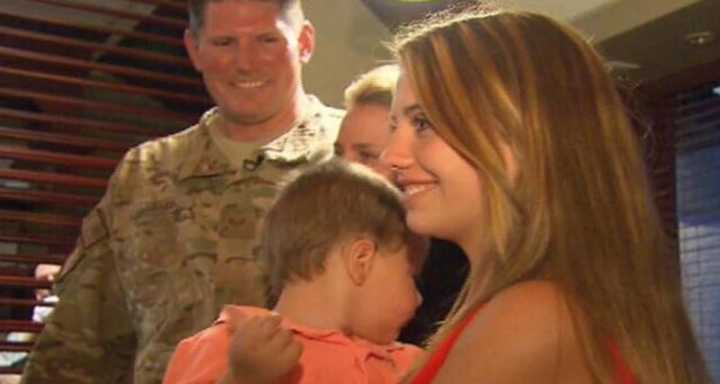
[427,373]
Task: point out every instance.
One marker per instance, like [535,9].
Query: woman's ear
[359,256]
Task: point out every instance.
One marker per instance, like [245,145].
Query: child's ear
[359,257]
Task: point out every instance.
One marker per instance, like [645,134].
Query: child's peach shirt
[328,356]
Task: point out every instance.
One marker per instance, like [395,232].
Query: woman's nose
[397,154]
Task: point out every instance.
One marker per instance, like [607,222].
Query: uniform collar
[205,158]
[299,144]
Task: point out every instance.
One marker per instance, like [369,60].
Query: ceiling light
[700,38]
[623,65]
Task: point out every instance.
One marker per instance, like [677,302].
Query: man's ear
[306,42]
[191,46]
[359,256]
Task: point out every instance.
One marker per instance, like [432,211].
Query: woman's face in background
[364,133]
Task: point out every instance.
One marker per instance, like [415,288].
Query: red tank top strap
[428,372]
[623,374]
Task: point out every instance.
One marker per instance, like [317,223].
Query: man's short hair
[323,207]
[291,10]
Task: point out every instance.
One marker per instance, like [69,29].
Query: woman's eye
[421,123]
[366,156]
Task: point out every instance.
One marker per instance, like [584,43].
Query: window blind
[697,144]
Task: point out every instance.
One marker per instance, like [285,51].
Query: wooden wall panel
[73,98]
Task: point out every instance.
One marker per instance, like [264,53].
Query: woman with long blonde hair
[510,139]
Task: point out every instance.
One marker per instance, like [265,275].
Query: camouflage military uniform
[170,243]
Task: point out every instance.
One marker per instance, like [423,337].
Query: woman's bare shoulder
[523,334]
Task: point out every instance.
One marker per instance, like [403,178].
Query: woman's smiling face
[443,193]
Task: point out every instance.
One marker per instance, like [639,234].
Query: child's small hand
[261,351]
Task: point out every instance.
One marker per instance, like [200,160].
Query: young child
[342,260]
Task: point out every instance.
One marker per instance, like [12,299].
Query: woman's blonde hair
[580,211]
[376,87]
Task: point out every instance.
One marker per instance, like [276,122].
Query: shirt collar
[326,335]
[299,142]
[204,158]
[297,145]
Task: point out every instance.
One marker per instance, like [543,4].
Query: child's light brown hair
[324,206]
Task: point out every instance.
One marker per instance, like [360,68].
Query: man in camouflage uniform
[172,240]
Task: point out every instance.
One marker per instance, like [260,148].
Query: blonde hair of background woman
[376,87]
